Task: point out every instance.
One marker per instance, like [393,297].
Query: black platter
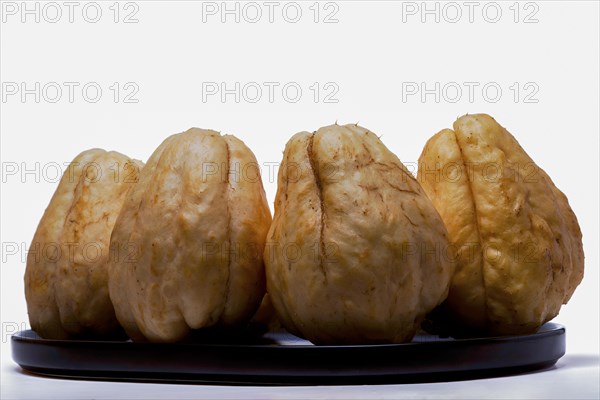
[286,359]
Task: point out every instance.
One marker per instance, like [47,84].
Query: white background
[373,52]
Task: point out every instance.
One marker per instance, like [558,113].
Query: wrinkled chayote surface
[356,251]
[520,254]
[190,237]
[66,279]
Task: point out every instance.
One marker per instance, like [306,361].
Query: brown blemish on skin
[228,231]
[315,171]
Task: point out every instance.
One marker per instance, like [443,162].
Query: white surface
[573,377]
[370,54]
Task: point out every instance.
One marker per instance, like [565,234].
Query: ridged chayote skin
[66,279]
[520,254]
[191,236]
[356,252]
